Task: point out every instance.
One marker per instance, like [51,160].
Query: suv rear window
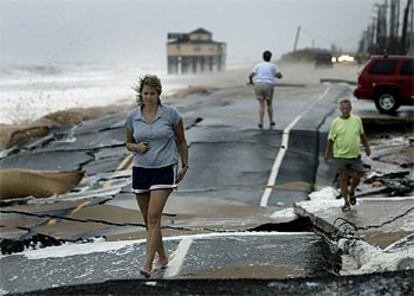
[384,67]
[407,68]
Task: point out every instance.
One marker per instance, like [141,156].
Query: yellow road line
[125,163]
[77,209]
[80,207]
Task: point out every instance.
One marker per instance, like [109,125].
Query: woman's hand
[140,147]
[143,147]
[181,174]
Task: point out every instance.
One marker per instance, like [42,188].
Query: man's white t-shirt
[265,72]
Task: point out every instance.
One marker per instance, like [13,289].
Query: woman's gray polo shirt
[160,136]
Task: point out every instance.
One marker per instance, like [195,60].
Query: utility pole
[296,39]
[393,26]
[411,48]
[382,27]
[407,11]
[362,42]
[372,29]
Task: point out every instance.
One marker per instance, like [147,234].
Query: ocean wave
[31,69]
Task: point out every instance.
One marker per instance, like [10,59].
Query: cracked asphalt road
[231,161]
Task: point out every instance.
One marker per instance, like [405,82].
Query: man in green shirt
[345,136]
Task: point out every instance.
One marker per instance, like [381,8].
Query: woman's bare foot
[146,273]
[161,264]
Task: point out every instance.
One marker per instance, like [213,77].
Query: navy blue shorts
[145,180]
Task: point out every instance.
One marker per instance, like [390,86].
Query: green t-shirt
[346,135]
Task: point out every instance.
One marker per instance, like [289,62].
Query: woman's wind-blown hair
[151,81]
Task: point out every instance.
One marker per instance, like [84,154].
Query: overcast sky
[135,31]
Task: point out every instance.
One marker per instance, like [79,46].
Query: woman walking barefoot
[155,135]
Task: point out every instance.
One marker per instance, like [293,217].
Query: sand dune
[15,183]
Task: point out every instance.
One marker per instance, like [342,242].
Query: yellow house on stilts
[195,52]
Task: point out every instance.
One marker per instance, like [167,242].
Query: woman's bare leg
[143,203]
[157,201]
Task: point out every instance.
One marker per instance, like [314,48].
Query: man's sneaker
[346,207]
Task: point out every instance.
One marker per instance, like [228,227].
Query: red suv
[389,81]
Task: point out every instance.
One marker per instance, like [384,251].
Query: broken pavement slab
[20,220]
[181,215]
[15,226]
[193,212]
[380,221]
[92,221]
[221,255]
[121,219]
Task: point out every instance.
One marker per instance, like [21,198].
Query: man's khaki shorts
[264,91]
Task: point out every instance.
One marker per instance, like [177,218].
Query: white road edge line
[175,264]
[281,154]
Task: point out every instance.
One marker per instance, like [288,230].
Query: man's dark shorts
[146,179]
[348,165]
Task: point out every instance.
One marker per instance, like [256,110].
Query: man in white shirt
[265,72]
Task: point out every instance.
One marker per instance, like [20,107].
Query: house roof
[195,42]
[200,31]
